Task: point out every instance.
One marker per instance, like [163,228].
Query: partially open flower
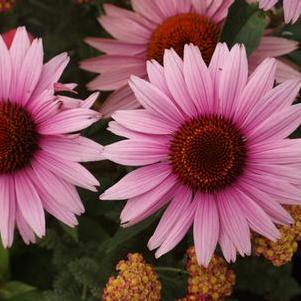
[136,281]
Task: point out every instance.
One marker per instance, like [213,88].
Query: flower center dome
[208,153]
[183,29]
[18,138]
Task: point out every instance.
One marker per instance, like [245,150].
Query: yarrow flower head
[212,143]
[6,5]
[281,251]
[163,24]
[136,281]
[292,8]
[38,157]
[214,283]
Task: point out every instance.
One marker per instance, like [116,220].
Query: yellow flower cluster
[281,251]
[214,283]
[136,281]
[6,5]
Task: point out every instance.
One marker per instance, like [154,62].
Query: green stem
[169,269]
[84,293]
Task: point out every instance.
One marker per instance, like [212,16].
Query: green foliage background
[74,264]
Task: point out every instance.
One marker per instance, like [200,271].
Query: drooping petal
[206,228]
[137,182]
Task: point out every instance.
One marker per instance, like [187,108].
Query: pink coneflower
[38,158]
[158,25]
[292,8]
[144,34]
[215,148]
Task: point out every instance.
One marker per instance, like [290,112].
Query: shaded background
[75,264]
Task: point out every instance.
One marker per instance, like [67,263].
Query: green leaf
[245,24]
[14,288]
[260,277]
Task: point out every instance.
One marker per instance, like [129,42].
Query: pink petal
[173,71]
[233,80]
[292,10]
[7,209]
[140,204]
[68,121]
[116,47]
[198,80]
[136,152]
[137,182]
[233,222]
[121,99]
[77,149]
[71,172]
[155,101]
[258,220]
[206,228]
[29,202]
[179,205]
[144,122]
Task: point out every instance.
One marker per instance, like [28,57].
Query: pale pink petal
[136,152]
[269,204]
[116,47]
[134,30]
[286,70]
[29,202]
[275,100]
[174,75]
[144,122]
[118,12]
[51,73]
[152,99]
[292,10]
[149,10]
[260,82]
[121,99]
[233,222]
[206,228]
[179,204]
[17,51]
[118,77]
[77,149]
[233,80]
[62,192]
[218,9]
[267,4]
[29,74]
[140,204]
[7,209]
[105,63]
[137,182]
[278,126]
[227,246]
[69,121]
[24,229]
[178,231]
[198,80]
[258,220]
[72,172]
